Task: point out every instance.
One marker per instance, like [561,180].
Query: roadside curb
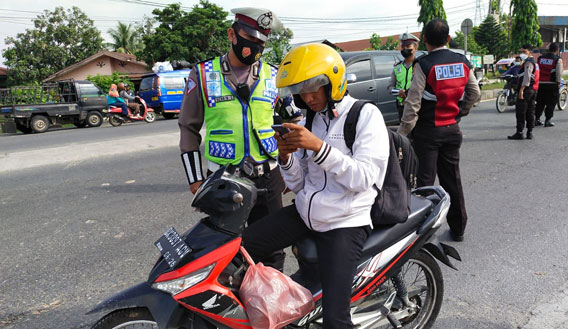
[489,94]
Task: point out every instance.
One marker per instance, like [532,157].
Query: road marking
[74,153]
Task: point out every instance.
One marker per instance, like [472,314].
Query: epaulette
[398,63]
[203,61]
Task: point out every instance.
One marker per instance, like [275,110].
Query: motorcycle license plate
[172,247]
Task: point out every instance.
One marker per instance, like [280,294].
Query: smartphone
[282,130]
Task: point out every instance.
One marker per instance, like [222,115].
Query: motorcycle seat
[382,236]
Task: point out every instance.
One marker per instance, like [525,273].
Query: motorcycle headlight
[176,286]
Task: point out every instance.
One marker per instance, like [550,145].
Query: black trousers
[339,252]
[524,110]
[546,100]
[438,152]
[400,109]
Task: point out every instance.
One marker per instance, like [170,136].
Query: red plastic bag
[271,298]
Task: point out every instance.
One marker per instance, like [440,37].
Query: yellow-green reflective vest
[230,121]
[403,77]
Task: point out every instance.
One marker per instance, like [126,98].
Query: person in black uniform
[525,105]
[551,68]
[432,114]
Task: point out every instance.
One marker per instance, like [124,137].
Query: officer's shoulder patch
[190,85]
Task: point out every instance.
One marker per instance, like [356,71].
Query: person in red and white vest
[528,85]
[550,66]
[441,80]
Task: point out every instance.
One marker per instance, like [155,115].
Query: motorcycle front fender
[165,310]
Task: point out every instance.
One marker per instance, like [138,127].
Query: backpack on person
[392,204]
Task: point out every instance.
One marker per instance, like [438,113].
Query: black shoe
[456,237]
[516,136]
[529,135]
[538,123]
[548,123]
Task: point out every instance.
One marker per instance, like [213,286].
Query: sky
[310,20]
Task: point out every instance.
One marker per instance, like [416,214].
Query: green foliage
[125,39]
[491,36]
[59,38]
[191,36]
[525,24]
[430,9]
[277,45]
[104,81]
[472,46]
[390,43]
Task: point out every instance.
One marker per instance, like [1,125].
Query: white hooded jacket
[334,188]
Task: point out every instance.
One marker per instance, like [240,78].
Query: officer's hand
[300,137]
[195,186]
[402,93]
[521,94]
[284,148]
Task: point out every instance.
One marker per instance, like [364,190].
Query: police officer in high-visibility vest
[402,72]
[432,114]
[551,67]
[234,95]
[527,82]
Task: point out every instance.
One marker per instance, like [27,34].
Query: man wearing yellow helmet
[333,185]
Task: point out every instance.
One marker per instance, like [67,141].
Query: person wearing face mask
[234,96]
[402,72]
[514,72]
[529,76]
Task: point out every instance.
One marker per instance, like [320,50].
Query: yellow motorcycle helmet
[306,68]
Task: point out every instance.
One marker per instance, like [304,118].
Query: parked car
[37,108]
[163,91]
[372,70]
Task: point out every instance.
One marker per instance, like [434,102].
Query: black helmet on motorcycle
[227,199]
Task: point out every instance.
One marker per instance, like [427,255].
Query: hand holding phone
[281,129]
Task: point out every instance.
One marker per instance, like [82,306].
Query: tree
[525,24]
[191,36]
[125,39]
[472,45]
[390,43]
[492,36]
[430,9]
[104,81]
[277,46]
[59,38]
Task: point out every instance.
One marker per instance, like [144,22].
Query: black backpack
[392,204]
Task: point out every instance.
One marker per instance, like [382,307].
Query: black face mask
[406,53]
[247,51]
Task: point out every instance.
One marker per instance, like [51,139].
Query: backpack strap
[350,126]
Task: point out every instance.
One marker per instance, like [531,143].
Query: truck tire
[94,119]
[40,123]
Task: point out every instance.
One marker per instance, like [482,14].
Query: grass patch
[492,86]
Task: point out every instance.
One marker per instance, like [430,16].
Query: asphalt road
[75,234]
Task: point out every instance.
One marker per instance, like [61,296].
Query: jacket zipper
[312,197]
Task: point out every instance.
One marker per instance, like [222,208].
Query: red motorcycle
[116,118]
[195,282]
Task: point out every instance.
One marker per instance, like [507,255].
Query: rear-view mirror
[351,78]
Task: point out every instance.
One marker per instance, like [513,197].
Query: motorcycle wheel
[150,117]
[131,318]
[425,286]
[501,102]
[114,120]
[563,99]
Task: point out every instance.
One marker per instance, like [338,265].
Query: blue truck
[163,91]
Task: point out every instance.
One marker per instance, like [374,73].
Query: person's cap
[406,38]
[257,22]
